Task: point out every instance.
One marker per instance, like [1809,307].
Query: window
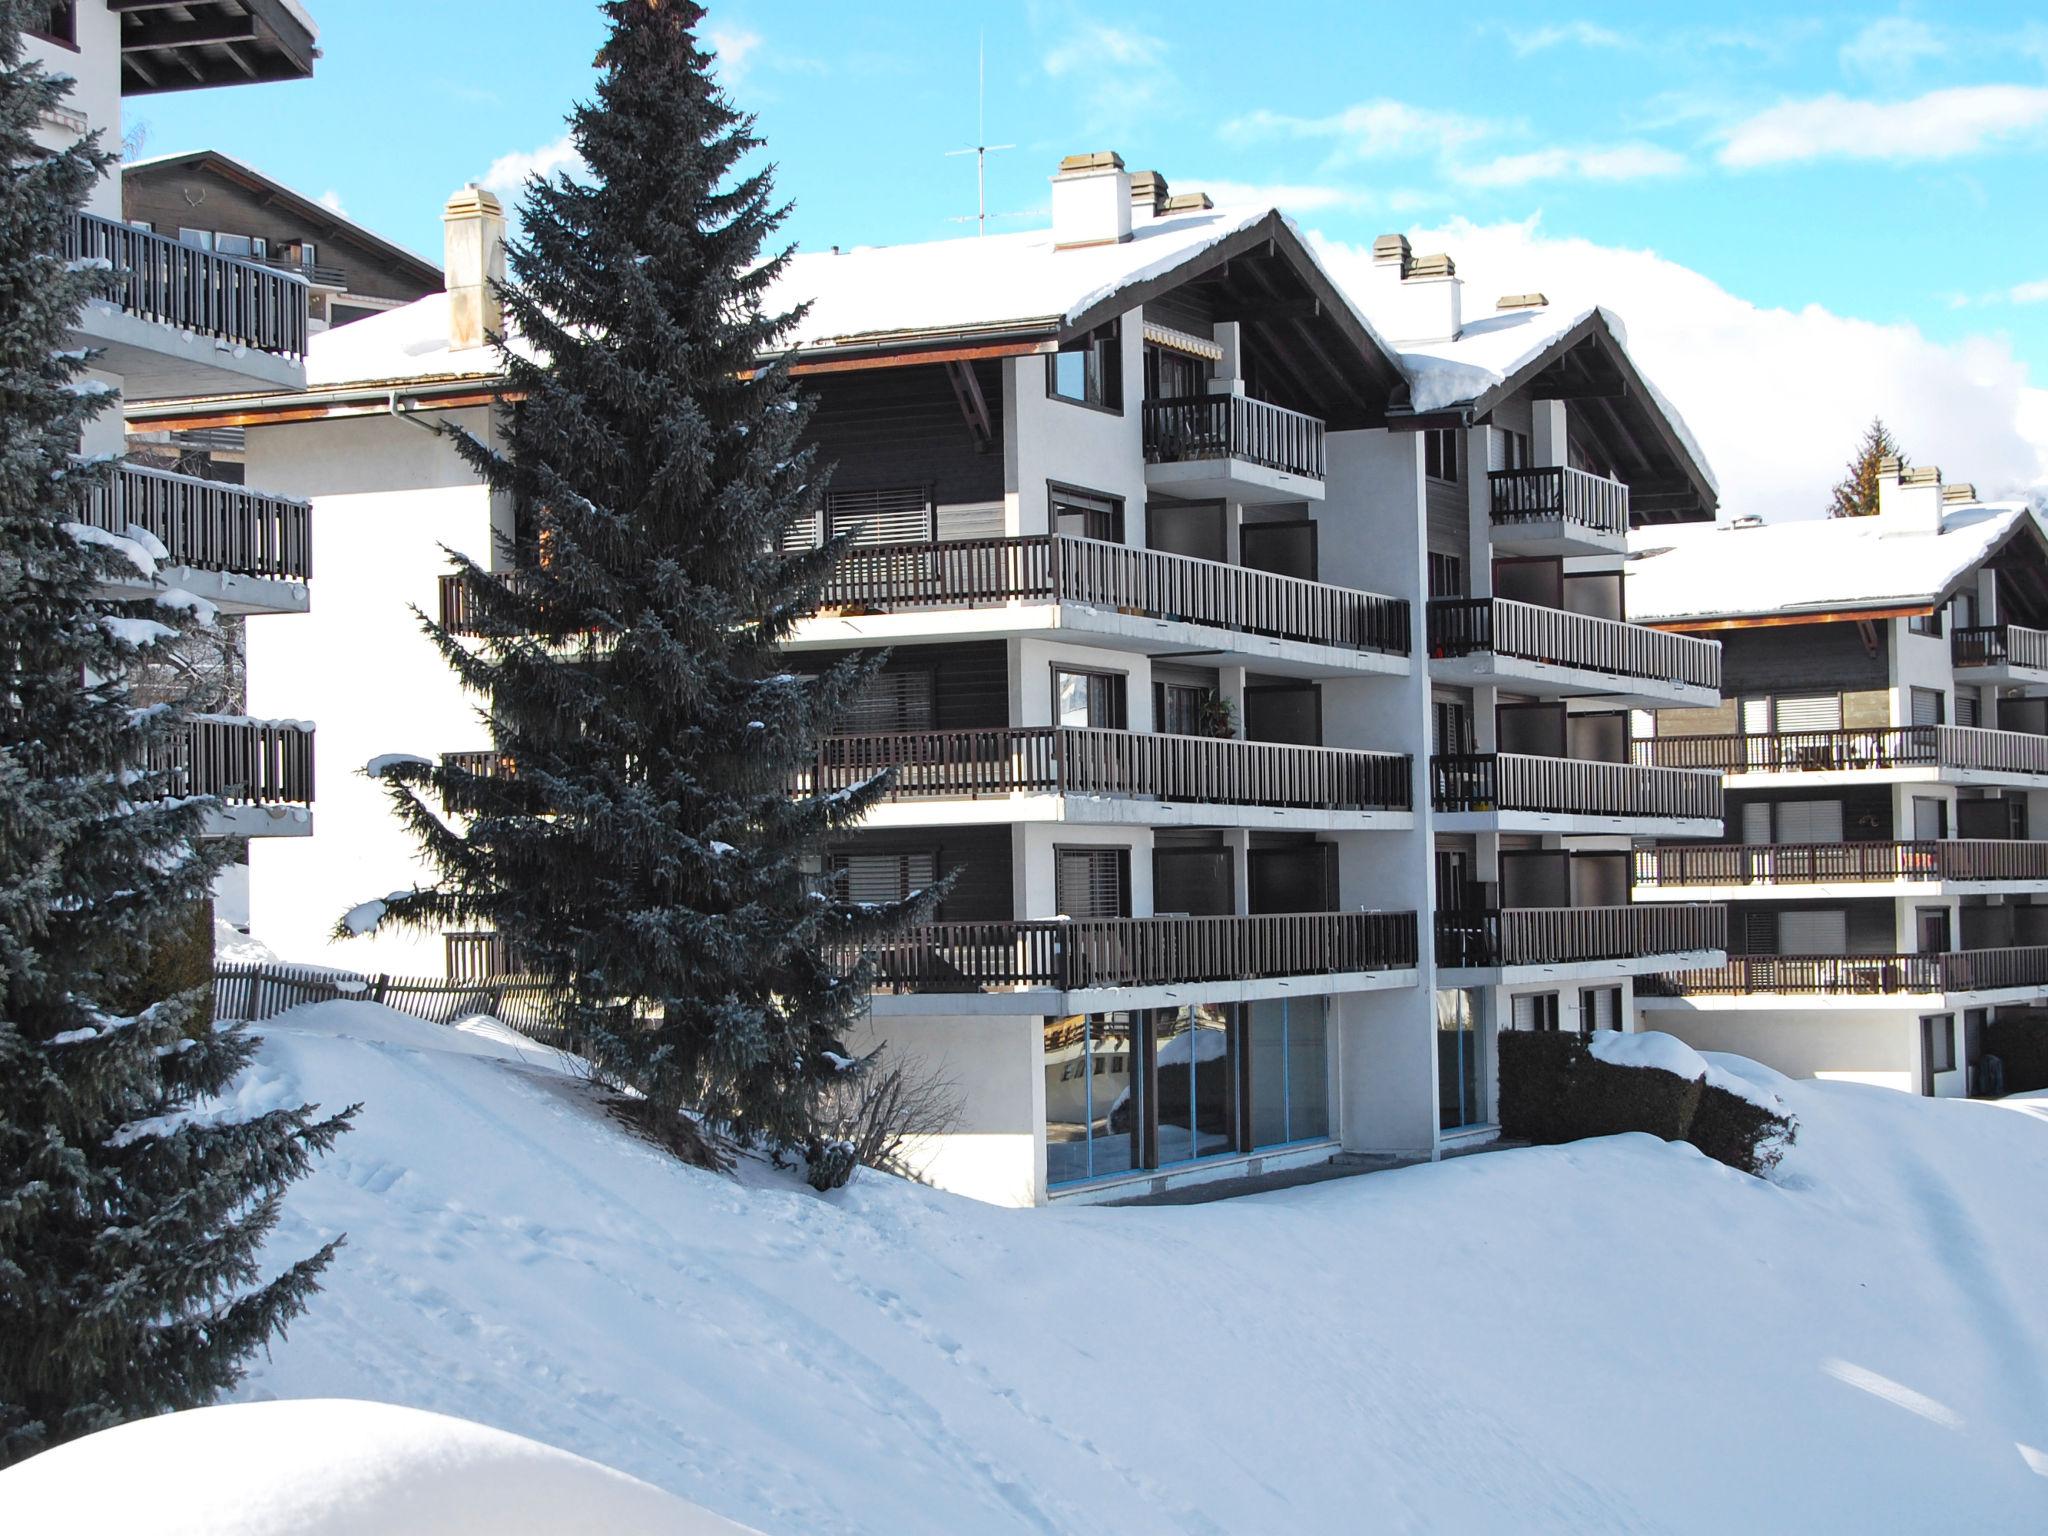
[1458,1045]
[240,245]
[1446,575]
[1288,1058]
[199,239]
[1185,709]
[1092,1097]
[1514,449]
[1928,623]
[1093,700]
[1938,1042]
[1092,882]
[1171,374]
[1089,371]
[1082,515]
[1450,727]
[1440,453]
[1194,1082]
[898,514]
[1813,933]
[1599,1008]
[883,877]
[1967,712]
[895,701]
[1536,1011]
[58,24]
[1929,706]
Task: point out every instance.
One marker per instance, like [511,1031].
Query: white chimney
[1419,298]
[1908,500]
[473,234]
[1091,200]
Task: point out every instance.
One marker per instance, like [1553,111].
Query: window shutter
[883,877]
[1091,882]
[800,535]
[1599,1008]
[1810,821]
[1927,706]
[895,701]
[1524,1011]
[1813,933]
[1813,712]
[1756,822]
[1756,717]
[897,515]
[1967,712]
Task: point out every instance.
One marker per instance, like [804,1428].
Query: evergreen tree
[644,846]
[1855,494]
[128,1229]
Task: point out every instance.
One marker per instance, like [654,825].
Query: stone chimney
[1091,201]
[1418,298]
[473,226]
[1909,500]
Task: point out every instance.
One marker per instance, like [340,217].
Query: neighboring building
[1884,737]
[1147,512]
[217,203]
[184,321]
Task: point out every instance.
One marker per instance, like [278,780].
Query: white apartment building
[1884,742]
[1258,668]
[183,321]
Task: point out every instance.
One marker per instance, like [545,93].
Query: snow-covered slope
[1613,1336]
[330,1468]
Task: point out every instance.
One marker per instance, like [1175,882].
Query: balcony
[1972,971]
[1557,511]
[1114,776]
[1512,791]
[1637,939]
[1212,446]
[260,772]
[242,550]
[1553,652]
[1064,955]
[1115,594]
[177,320]
[2000,653]
[1947,753]
[1921,866]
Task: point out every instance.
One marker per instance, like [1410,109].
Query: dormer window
[1089,371]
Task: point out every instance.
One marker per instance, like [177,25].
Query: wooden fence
[258,992]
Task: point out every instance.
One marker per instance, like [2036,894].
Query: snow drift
[1610,1336]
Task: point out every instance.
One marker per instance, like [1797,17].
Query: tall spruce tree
[1855,494]
[644,846]
[128,1230]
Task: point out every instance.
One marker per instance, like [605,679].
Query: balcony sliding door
[1093,1097]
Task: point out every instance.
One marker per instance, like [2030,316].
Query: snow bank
[330,1467]
[1668,1053]
[1610,1336]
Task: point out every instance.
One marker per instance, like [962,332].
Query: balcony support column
[1547,436]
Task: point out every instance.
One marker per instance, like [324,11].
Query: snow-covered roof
[1816,565]
[410,342]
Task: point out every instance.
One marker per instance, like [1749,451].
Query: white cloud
[331,201]
[1776,397]
[1096,44]
[734,47]
[1636,161]
[1936,126]
[1120,73]
[1371,130]
[1891,48]
[1585,34]
[1296,197]
[2035,292]
[508,173]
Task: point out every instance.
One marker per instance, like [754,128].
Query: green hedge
[2021,1045]
[1554,1089]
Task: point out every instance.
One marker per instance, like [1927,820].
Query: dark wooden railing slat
[245,303]
[1966,970]
[1852,750]
[1466,626]
[1559,494]
[1199,427]
[1512,781]
[1923,859]
[205,524]
[1488,938]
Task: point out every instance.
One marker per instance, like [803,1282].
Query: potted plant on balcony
[1218,717]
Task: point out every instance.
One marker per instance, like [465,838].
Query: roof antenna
[982,148]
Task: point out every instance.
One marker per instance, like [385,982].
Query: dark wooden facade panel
[904,426]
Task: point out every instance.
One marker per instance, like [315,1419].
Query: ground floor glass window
[1461,1081]
[1287,1045]
[1196,1077]
[1091,1097]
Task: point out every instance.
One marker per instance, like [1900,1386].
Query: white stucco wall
[1876,1046]
[96,67]
[1056,441]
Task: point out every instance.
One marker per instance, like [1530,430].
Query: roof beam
[154,36]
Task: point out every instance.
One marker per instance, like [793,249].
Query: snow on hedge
[1608,1336]
[330,1467]
[1668,1053]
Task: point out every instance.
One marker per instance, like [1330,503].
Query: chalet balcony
[1203,446]
[180,320]
[1092,954]
[1868,975]
[1557,511]
[1554,652]
[243,550]
[1115,766]
[1768,869]
[2000,653]
[1502,939]
[1511,787]
[1951,753]
[260,772]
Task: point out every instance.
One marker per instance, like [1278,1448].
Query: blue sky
[1884,163]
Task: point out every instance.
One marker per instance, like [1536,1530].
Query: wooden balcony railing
[245,303]
[1850,751]
[238,761]
[204,523]
[1569,496]
[1069,954]
[1511,781]
[1735,864]
[1965,970]
[1073,761]
[1465,626]
[1995,645]
[1488,939]
[1233,427]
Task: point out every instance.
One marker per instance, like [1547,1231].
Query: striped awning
[1181,341]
